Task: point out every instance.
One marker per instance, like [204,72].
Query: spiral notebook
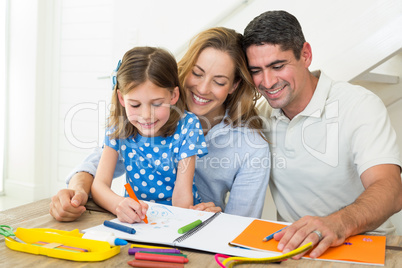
[213,235]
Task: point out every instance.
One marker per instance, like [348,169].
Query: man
[341,168]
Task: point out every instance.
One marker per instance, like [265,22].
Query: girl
[156,138]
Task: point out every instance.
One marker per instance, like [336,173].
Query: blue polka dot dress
[151,162]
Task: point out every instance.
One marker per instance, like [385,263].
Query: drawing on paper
[160,216]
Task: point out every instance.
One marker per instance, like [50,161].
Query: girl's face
[148,107]
[209,83]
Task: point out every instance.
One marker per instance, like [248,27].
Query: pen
[119,227]
[154,264]
[188,227]
[156,257]
[133,196]
[132,251]
[272,235]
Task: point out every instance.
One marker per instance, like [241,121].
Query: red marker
[133,196]
[156,257]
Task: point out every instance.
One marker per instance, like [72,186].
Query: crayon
[154,264]
[119,227]
[163,253]
[133,196]
[132,251]
[189,227]
[163,258]
[146,246]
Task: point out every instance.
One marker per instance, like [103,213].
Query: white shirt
[319,155]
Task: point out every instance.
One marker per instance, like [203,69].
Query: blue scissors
[7,231]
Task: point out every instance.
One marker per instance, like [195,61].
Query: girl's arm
[126,209]
[101,191]
[183,189]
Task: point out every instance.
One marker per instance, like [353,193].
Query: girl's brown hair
[241,103]
[139,65]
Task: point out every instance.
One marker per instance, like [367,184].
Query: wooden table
[36,215]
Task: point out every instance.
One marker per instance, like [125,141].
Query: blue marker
[119,227]
[272,235]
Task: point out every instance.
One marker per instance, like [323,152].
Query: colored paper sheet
[359,249]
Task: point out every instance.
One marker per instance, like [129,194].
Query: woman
[220,92]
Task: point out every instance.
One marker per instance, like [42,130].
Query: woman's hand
[210,207]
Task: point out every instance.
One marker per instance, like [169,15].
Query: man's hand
[210,207]
[308,229]
[68,204]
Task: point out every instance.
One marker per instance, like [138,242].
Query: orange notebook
[366,249]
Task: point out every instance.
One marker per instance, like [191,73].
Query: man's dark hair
[276,28]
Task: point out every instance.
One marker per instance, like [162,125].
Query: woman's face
[209,83]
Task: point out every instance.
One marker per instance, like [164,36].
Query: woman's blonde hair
[139,65]
[241,103]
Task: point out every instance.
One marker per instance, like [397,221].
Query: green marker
[188,227]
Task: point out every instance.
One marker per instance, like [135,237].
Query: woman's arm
[182,192]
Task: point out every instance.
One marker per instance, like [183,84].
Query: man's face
[279,76]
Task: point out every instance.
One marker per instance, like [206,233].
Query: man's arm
[381,199]
[68,204]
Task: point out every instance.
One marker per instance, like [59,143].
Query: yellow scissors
[7,231]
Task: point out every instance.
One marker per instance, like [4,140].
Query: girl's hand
[130,211]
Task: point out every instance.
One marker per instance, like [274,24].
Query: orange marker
[132,195]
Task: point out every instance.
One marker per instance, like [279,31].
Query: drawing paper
[164,222]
